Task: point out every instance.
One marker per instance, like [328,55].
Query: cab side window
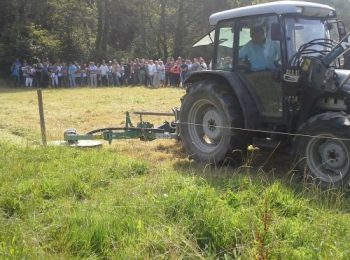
[224,57]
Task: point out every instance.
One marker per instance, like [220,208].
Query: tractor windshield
[303,30]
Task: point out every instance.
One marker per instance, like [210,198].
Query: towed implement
[145,131]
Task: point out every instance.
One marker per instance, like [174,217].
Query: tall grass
[64,203]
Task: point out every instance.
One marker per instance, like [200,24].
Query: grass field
[143,200]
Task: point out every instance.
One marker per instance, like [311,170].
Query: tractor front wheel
[324,150]
[209,118]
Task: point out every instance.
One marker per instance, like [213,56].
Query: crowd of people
[148,72]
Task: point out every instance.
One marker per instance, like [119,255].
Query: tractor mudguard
[231,79]
[339,120]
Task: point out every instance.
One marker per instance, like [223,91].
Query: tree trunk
[102,28]
[179,31]
[143,29]
[163,30]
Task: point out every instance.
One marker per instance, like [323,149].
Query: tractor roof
[279,7]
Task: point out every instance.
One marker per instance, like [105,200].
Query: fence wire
[269,132]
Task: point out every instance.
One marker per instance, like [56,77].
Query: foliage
[79,30]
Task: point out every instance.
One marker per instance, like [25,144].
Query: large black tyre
[324,152]
[207,115]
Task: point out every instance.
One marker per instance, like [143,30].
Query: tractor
[295,94]
[276,79]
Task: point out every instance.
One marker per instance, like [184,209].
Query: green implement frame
[144,131]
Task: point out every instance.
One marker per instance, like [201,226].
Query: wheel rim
[328,158]
[205,126]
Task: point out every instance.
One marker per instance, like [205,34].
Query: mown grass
[146,200]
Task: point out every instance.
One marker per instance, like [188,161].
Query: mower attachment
[145,131]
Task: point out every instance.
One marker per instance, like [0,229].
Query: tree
[97,29]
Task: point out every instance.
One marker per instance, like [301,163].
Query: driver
[260,53]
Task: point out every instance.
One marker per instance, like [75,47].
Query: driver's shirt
[260,56]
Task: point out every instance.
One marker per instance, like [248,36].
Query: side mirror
[276,32]
[341,29]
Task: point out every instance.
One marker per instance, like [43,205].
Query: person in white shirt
[151,71]
[202,64]
[116,73]
[156,78]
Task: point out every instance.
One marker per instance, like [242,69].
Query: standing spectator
[137,67]
[26,75]
[93,74]
[104,71]
[189,65]
[202,64]
[22,77]
[39,75]
[122,81]
[115,72]
[132,73]
[168,65]
[127,72]
[151,71]
[146,73]
[172,76]
[53,72]
[45,74]
[71,74]
[59,74]
[175,70]
[183,72]
[156,79]
[195,65]
[99,78]
[142,74]
[110,73]
[161,69]
[15,73]
[120,73]
[77,74]
[83,75]
[64,71]
[31,76]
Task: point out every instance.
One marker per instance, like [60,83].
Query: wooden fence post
[42,119]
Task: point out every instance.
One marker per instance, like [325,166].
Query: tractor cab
[258,43]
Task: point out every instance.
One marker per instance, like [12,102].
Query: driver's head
[257,34]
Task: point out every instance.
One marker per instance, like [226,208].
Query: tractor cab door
[258,63]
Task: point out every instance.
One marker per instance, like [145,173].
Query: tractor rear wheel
[208,116]
[325,155]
